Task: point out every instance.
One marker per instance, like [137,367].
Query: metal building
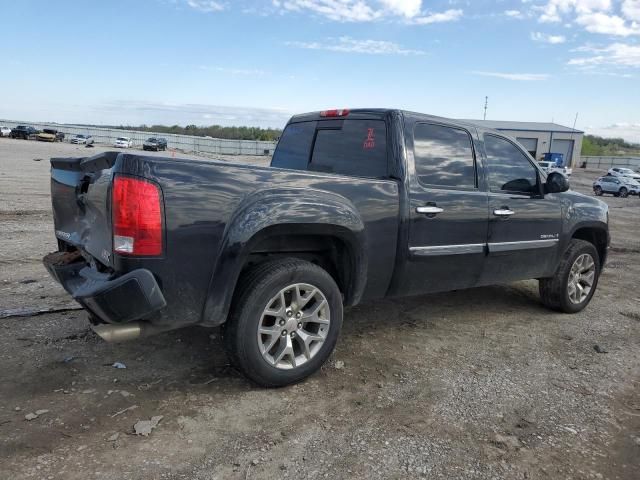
[540,138]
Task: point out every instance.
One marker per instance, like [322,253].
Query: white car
[5,131]
[123,142]
[623,172]
[548,167]
[82,140]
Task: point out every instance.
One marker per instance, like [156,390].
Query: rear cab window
[352,147]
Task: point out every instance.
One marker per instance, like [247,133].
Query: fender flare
[274,212]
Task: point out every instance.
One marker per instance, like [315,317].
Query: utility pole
[486,102]
[572,143]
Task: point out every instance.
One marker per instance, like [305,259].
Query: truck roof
[380,113]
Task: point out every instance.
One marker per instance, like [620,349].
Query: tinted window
[443,156]
[509,169]
[294,146]
[356,147]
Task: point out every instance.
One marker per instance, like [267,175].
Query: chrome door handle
[429,210]
[503,212]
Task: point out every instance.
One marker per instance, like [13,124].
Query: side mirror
[556,183]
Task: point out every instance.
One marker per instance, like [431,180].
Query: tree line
[215,131]
[599,146]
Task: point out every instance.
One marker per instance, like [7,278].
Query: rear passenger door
[448,211]
[524,223]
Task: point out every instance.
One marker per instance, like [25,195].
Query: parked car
[623,172]
[50,135]
[123,142]
[5,131]
[549,167]
[155,143]
[355,206]
[82,140]
[617,186]
[23,131]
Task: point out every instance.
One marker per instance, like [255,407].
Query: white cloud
[206,6]
[607,24]
[629,131]
[631,9]
[448,16]
[546,38]
[513,13]
[616,54]
[338,10]
[352,45]
[368,10]
[555,9]
[521,77]
[407,8]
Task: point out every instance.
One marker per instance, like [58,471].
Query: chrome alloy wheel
[294,326]
[581,278]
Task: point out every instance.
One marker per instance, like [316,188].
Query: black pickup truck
[356,205]
[24,132]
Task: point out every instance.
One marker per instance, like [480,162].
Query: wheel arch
[595,234]
[317,226]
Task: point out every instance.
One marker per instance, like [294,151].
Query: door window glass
[443,156]
[509,169]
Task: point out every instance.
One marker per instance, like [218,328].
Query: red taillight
[335,113]
[137,217]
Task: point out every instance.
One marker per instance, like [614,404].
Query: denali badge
[545,236]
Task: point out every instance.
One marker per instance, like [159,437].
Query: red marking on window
[370,142]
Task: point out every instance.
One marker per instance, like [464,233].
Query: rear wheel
[624,193]
[284,322]
[598,191]
[575,281]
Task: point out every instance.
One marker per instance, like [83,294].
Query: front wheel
[571,288]
[624,193]
[598,191]
[284,321]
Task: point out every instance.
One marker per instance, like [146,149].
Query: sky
[257,62]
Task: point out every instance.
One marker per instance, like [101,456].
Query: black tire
[597,191]
[255,288]
[624,193]
[554,290]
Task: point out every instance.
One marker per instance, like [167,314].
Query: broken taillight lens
[137,217]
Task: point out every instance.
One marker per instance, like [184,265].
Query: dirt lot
[483,383]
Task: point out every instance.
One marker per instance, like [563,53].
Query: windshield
[152,139]
[122,139]
[79,136]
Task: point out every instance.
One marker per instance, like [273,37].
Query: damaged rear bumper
[109,298]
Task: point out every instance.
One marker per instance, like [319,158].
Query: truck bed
[210,212]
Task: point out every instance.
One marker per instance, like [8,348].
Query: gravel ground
[475,384]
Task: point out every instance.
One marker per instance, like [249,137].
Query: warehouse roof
[524,126]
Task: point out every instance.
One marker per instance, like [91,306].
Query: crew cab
[23,131]
[355,206]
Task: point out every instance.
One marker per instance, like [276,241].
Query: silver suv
[617,186]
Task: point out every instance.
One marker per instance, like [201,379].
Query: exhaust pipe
[118,333]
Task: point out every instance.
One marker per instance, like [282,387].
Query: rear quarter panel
[201,200]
